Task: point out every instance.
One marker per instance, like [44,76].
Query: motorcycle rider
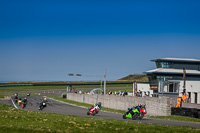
[138,107]
[19,101]
[16,97]
[45,100]
[43,103]
[24,102]
[97,106]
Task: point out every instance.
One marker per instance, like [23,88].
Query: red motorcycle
[23,105]
[16,100]
[143,111]
[95,109]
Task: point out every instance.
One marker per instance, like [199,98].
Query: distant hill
[135,77]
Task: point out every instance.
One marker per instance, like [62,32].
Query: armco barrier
[155,106]
[189,112]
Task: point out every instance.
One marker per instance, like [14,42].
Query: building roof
[177,60]
[172,71]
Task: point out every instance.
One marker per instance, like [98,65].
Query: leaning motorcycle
[42,105]
[16,100]
[143,111]
[23,105]
[94,110]
[136,112]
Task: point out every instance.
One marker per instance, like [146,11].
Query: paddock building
[173,77]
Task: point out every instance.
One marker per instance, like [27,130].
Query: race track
[63,108]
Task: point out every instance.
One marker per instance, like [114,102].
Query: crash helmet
[20,99]
[25,98]
[45,98]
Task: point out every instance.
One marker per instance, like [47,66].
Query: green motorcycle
[132,113]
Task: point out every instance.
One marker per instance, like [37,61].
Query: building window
[163,64]
[168,87]
[164,78]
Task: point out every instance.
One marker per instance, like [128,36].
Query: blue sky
[46,40]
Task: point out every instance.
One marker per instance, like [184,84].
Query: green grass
[176,118]
[173,117]
[2,96]
[21,121]
[136,77]
[29,88]
[37,88]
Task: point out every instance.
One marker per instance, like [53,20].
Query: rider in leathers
[43,103]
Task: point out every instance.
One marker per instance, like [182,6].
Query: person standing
[125,93]
[184,97]
[179,100]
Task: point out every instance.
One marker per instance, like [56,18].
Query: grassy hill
[135,77]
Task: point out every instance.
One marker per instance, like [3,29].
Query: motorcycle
[42,105]
[19,102]
[135,112]
[143,111]
[23,105]
[95,109]
[16,100]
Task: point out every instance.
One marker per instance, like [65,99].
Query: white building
[175,76]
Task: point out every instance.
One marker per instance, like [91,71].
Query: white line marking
[13,103]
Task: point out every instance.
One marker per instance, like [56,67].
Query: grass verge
[29,88]
[176,118]
[21,121]
[2,96]
[38,88]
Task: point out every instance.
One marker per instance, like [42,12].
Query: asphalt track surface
[64,108]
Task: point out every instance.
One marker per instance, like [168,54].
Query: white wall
[144,87]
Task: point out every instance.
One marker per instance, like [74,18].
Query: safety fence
[189,112]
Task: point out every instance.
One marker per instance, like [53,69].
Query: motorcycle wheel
[41,108]
[124,116]
[134,116]
[93,113]
[141,116]
[88,113]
